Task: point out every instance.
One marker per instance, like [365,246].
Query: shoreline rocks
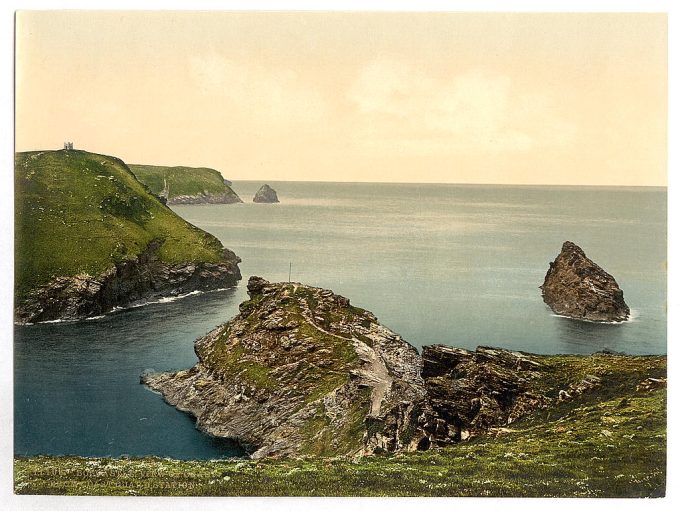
[266,195]
[144,277]
[576,287]
[229,197]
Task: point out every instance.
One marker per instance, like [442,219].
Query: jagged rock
[302,371]
[650,384]
[474,391]
[144,277]
[266,194]
[578,288]
[283,377]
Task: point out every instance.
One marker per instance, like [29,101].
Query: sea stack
[578,288]
[266,194]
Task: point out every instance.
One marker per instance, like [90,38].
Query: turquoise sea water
[450,264]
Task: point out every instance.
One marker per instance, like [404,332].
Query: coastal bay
[456,265]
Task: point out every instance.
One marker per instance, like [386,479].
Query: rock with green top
[90,237]
[186,185]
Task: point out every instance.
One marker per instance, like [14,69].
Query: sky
[516,98]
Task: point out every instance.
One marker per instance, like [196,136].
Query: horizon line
[362,182]
[443,183]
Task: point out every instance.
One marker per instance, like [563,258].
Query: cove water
[450,264]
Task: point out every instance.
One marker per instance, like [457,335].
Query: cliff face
[90,237]
[576,287]
[474,391]
[266,194]
[301,371]
[143,277]
[227,197]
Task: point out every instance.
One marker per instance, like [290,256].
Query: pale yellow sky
[407,97]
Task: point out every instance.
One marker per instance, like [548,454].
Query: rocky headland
[302,371]
[90,237]
[186,185]
[576,287]
[266,194]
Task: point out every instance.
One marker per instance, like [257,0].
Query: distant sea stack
[266,194]
[578,288]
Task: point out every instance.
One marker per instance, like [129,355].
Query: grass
[322,439]
[182,180]
[229,357]
[610,442]
[80,212]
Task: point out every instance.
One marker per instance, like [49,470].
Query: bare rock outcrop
[474,391]
[266,194]
[300,370]
[576,287]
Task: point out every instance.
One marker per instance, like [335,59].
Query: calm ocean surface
[450,264]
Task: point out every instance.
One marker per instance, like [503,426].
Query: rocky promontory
[301,371]
[266,194]
[186,185]
[576,287]
[91,237]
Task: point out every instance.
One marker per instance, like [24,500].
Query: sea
[459,265]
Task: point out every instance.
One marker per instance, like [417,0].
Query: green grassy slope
[82,212]
[609,442]
[181,180]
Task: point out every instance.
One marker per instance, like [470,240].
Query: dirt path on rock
[374,373]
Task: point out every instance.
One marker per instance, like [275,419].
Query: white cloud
[277,97]
[474,110]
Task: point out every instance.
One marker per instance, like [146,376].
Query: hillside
[84,220]
[186,185]
[609,444]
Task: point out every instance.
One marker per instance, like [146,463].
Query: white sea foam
[630,319]
[168,299]
[134,305]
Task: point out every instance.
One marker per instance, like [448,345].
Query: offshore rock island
[266,195]
[302,371]
[91,237]
[578,288]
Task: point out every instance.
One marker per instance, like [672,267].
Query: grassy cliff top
[80,212]
[181,180]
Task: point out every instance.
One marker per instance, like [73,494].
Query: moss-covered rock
[292,375]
